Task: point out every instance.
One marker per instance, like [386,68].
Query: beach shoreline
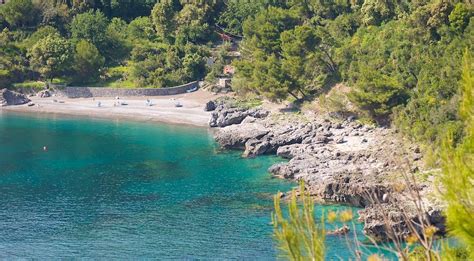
[162,110]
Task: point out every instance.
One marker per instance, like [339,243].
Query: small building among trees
[224,82]
[229,70]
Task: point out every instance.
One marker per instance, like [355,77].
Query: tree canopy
[51,56]
[87,61]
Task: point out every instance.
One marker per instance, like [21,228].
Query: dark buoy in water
[45,148]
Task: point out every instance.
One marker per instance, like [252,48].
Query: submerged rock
[339,231]
[8,97]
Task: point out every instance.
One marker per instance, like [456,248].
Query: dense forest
[140,43]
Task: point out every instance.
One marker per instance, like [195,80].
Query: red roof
[225,37]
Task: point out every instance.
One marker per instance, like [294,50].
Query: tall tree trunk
[302,93]
[292,94]
[332,64]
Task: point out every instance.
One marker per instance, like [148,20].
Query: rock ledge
[8,97]
[340,162]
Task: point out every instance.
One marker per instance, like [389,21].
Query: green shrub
[458,168]
[87,62]
[377,93]
[459,17]
[35,85]
[300,236]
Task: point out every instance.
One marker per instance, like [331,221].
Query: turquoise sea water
[118,189]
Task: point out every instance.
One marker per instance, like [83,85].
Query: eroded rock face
[225,115]
[376,227]
[8,97]
[342,162]
[230,139]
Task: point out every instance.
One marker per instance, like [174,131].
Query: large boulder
[225,115]
[230,138]
[8,97]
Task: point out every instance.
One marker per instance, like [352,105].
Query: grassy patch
[110,83]
[64,81]
[114,77]
[248,103]
[34,85]
[242,102]
[295,116]
[365,120]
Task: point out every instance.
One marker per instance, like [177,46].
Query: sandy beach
[163,108]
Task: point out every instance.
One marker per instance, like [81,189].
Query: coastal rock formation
[225,115]
[341,162]
[8,97]
[375,226]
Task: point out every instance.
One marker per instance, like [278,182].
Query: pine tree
[300,236]
[458,168]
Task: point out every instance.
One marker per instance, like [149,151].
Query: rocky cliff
[340,161]
[8,97]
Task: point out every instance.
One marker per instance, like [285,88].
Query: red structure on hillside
[229,69]
[224,37]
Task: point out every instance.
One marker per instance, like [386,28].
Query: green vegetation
[51,56]
[234,15]
[299,237]
[37,86]
[87,61]
[19,13]
[90,26]
[158,45]
[377,93]
[12,61]
[399,59]
[458,168]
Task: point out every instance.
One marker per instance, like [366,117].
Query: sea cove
[119,189]
[164,129]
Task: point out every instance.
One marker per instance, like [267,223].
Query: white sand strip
[163,108]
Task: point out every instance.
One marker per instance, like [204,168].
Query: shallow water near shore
[119,189]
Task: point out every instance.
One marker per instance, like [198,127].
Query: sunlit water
[118,189]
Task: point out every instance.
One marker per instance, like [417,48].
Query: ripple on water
[130,190]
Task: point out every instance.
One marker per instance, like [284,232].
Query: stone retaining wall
[87,92]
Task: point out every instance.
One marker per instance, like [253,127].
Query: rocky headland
[340,160]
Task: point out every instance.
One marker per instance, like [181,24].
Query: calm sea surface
[118,189]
